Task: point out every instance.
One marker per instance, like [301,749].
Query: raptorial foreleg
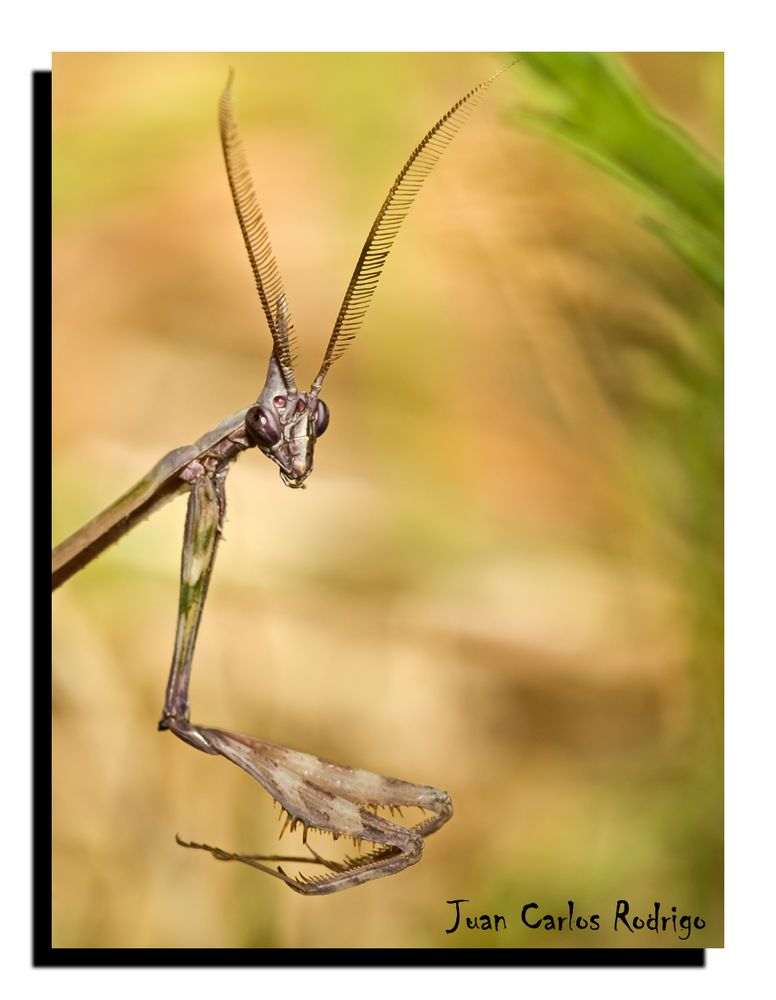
[204,521]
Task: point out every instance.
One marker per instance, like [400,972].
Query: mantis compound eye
[262,426]
[321,418]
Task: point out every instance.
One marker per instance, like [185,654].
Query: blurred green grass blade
[590,103]
[697,253]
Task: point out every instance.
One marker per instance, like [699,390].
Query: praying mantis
[284,423]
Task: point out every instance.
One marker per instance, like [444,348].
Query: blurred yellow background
[504,578]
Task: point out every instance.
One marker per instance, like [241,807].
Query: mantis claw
[329,797]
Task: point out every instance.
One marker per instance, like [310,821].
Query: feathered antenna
[388,222]
[254,230]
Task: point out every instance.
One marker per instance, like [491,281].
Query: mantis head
[285,424]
